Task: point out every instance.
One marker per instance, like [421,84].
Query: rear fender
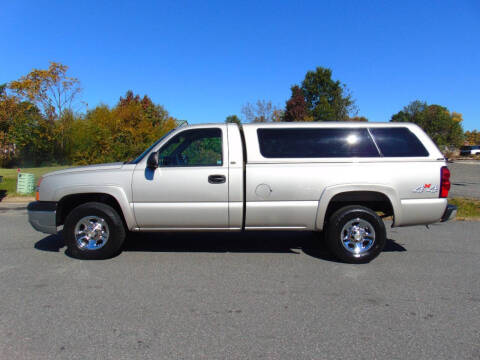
[330,191]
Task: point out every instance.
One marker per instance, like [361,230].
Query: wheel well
[373,200]
[70,202]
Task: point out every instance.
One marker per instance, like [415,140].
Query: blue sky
[203,60]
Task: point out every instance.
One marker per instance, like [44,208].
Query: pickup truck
[338,179]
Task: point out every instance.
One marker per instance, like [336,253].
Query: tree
[233,119]
[326,99]
[472,137]
[277,115]
[457,117]
[25,135]
[33,135]
[261,111]
[443,127]
[54,92]
[8,108]
[154,113]
[412,111]
[358,118]
[119,133]
[296,106]
[50,89]
[17,126]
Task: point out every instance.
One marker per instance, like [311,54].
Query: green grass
[467,208]
[9,183]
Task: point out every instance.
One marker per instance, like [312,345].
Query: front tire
[94,231]
[356,234]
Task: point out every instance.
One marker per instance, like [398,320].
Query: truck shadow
[52,243]
[218,242]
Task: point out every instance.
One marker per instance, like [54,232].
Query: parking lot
[240,296]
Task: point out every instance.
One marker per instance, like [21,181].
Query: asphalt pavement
[465,179]
[273,295]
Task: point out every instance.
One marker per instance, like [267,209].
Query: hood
[96,167]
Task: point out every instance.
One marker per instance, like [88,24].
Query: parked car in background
[470,150]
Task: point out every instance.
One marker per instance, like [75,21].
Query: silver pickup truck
[337,179]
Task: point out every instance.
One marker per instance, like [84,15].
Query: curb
[15,203]
[17,200]
[13,209]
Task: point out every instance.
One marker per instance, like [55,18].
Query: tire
[350,231]
[94,231]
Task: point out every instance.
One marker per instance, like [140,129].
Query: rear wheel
[94,231]
[356,234]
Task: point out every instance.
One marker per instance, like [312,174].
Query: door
[189,189]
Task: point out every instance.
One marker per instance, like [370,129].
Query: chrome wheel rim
[357,236]
[91,233]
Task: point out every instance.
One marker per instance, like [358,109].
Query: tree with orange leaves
[50,89]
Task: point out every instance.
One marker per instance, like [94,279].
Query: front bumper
[450,213]
[42,215]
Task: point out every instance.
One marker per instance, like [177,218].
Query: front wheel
[94,231]
[356,234]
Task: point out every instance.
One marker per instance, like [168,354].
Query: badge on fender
[426,188]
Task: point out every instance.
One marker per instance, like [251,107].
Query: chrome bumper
[450,213]
[42,215]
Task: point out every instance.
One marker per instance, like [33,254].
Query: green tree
[33,135]
[119,133]
[233,119]
[327,99]
[441,125]
[63,135]
[25,136]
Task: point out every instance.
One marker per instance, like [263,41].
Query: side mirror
[152,161]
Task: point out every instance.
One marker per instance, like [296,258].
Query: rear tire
[356,234]
[94,231]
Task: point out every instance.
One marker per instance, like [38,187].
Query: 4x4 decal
[426,188]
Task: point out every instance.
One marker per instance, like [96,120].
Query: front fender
[116,191]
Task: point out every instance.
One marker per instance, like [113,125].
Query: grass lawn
[467,208]
[8,187]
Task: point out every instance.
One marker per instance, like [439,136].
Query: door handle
[217,179]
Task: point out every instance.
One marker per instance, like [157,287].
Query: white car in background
[470,150]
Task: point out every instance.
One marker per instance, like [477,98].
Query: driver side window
[197,147]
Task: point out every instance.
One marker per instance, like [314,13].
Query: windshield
[466,148]
[142,155]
